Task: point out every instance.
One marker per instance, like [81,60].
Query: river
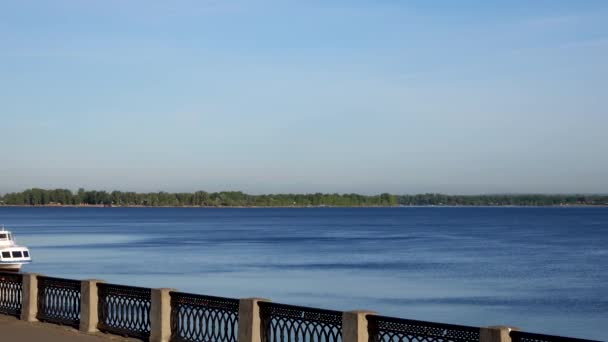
[540,269]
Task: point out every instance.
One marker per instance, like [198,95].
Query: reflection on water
[541,269]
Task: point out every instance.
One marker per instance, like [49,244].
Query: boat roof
[3,230]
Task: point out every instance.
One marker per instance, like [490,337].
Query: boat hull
[10,268]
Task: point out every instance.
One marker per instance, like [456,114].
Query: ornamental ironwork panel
[59,301]
[198,318]
[520,336]
[288,323]
[124,310]
[389,329]
[11,285]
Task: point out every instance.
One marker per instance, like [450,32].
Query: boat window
[2,236]
[6,254]
[26,254]
[17,254]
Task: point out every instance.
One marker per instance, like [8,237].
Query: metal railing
[10,293]
[521,336]
[288,323]
[124,310]
[390,329]
[59,301]
[198,318]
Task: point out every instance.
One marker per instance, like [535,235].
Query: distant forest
[240,199]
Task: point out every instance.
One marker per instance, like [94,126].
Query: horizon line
[322,193]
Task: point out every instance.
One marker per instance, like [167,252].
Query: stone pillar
[354,326]
[89,314]
[495,334]
[29,298]
[160,315]
[249,320]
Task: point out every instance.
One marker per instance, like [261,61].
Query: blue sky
[305,96]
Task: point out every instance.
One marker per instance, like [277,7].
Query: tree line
[240,199]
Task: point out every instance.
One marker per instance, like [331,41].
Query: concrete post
[354,326]
[160,315]
[249,320]
[89,315]
[495,334]
[29,298]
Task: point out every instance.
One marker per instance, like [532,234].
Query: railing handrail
[376,318]
[137,291]
[124,286]
[58,279]
[543,337]
[42,280]
[297,307]
[205,297]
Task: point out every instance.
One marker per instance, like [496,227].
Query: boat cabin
[5,236]
[14,254]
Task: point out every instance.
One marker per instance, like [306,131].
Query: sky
[458,97]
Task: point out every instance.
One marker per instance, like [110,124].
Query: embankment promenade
[57,309]
[14,329]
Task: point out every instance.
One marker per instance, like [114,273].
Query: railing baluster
[289,323]
[10,293]
[390,329]
[59,301]
[124,310]
[197,318]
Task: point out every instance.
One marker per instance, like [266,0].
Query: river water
[541,269]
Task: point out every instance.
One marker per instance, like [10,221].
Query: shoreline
[302,206]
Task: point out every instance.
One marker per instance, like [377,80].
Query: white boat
[12,256]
